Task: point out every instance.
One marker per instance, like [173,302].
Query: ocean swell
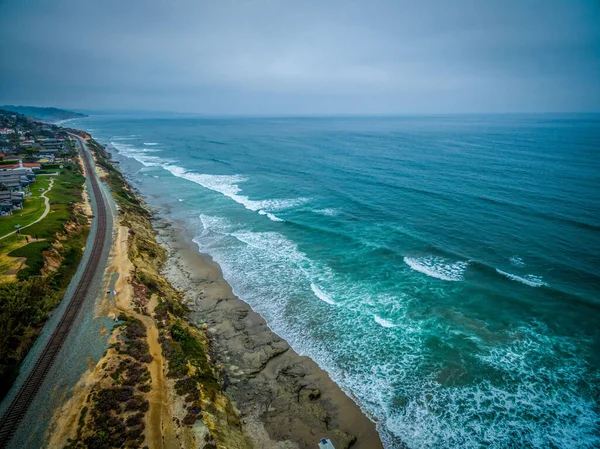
[529,279]
[438,267]
[228,185]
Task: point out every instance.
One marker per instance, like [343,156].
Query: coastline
[282,395]
[201,365]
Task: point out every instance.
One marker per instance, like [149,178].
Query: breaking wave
[140,155]
[228,185]
[529,279]
[517,261]
[438,267]
[321,295]
[383,322]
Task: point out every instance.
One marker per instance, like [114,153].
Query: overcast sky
[302,56]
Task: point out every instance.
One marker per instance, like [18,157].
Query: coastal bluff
[189,364]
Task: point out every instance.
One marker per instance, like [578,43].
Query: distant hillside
[45,114]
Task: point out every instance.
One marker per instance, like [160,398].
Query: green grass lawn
[40,182]
[33,208]
[66,189]
[35,260]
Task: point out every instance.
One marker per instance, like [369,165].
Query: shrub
[137,403]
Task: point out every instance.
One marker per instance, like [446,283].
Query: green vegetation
[49,166]
[67,189]
[133,342]
[185,347]
[25,306]
[114,416]
[127,200]
[71,256]
[40,183]
[34,258]
[33,208]
[68,186]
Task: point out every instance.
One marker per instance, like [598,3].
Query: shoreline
[282,395]
[201,364]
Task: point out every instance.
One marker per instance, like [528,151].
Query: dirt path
[159,426]
[160,433]
[46,210]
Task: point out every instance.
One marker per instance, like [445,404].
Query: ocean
[445,271]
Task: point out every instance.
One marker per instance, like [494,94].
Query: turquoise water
[444,270]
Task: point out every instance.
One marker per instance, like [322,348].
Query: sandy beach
[285,399]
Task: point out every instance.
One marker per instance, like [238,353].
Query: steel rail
[22,400]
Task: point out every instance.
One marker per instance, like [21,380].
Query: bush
[135,420]
[185,386]
[24,307]
[137,403]
[33,252]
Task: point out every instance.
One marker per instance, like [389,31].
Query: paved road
[46,202]
[21,400]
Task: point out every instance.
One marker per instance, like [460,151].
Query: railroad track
[21,401]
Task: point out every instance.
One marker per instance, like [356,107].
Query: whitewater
[442,270]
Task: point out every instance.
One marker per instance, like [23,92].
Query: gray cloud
[278,57]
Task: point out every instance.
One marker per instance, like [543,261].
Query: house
[17,178]
[21,170]
[31,166]
[11,183]
[10,201]
[6,131]
[49,150]
[47,142]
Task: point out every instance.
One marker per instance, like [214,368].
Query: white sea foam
[517,261]
[267,270]
[273,243]
[321,294]
[215,224]
[383,321]
[438,267]
[532,384]
[529,279]
[228,186]
[270,215]
[140,155]
[151,144]
[329,212]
